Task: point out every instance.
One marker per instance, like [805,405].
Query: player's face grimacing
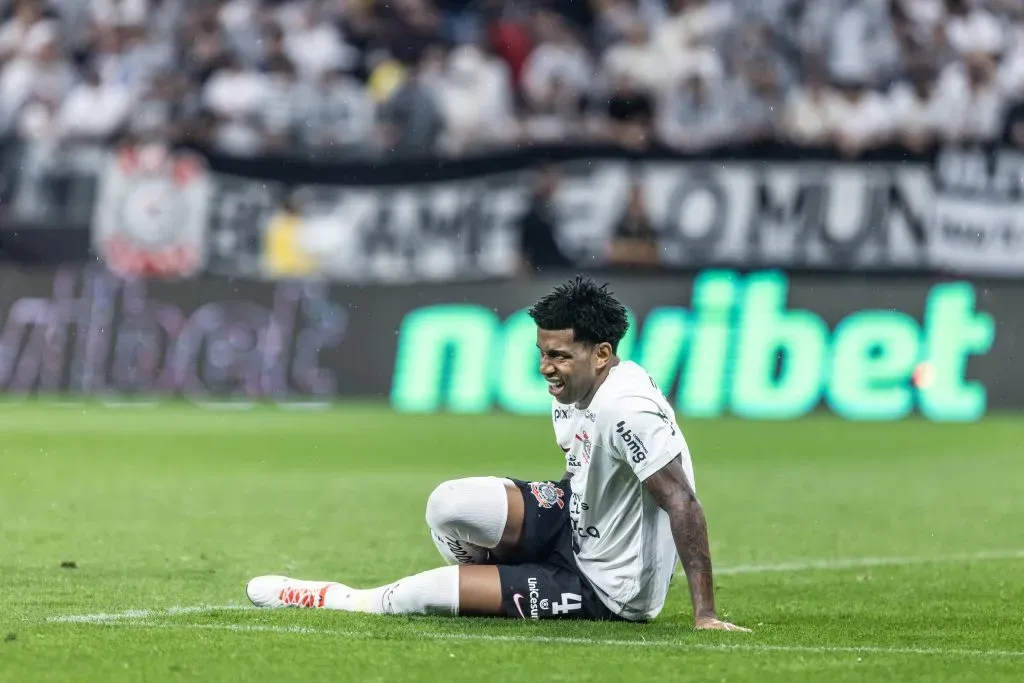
[570,367]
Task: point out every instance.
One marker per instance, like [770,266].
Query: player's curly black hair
[589,310]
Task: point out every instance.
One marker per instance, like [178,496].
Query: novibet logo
[738,349]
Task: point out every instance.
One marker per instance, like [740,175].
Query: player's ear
[603,352]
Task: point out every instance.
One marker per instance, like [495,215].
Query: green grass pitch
[856,552]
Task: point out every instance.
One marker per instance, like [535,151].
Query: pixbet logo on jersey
[633,442]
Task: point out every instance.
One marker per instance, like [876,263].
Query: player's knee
[466,507]
[443,505]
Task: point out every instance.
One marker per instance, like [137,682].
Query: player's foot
[281,591]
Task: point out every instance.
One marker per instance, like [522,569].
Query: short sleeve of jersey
[644,436]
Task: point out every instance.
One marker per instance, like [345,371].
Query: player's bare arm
[674,495]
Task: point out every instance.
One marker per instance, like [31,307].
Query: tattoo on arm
[673,493]
[567,476]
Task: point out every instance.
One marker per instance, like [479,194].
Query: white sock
[467,517]
[431,592]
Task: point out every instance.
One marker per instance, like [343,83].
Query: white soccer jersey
[621,538]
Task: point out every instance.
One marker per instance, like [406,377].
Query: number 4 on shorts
[570,602]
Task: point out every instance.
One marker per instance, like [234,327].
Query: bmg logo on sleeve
[633,443]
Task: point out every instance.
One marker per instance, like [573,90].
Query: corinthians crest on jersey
[585,447]
[547,494]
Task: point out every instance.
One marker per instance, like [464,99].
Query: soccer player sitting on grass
[599,544]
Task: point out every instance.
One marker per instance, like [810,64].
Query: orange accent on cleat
[303,597]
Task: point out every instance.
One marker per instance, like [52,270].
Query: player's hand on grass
[713,624]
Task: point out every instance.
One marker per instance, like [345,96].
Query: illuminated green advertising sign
[738,349]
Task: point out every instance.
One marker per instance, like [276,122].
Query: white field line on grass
[803,565]
[608,642]
[145,616]
[140,614]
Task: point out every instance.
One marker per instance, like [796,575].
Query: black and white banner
[978,221]
[957,211]
[820,215]
[936,214]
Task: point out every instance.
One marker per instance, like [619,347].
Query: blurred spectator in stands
[40,124]
[556,78]
[635,59]
[38,72]
[241,25]
[635,242]
[461,21]
[614,21]
[235,95]
[757,45]
[360,28]
[312,43]
[128,56]
[757,95]
[861,118]
[1014,129]
[976,104]
[508,35]
[862,46]
[272,46]
[630,114]
[162,110]
[474,95]
[919,29]
[282,106]
[206,48]
[118,12]
[164,19]
[558,118]
[1011,69]
[807,116]
[580,15]
[94,111]
[716,71]
[698,112]
[971,28]
[407,27]
[918,108]
[538,248]
[284,254]
[410,119]
[693,25]
[14,33]
[337,115]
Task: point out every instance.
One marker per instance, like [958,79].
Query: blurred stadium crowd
[379,77]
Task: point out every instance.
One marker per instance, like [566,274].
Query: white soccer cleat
[281,591]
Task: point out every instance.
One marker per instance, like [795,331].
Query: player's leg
[475,520]
[524,591]
[463,590]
